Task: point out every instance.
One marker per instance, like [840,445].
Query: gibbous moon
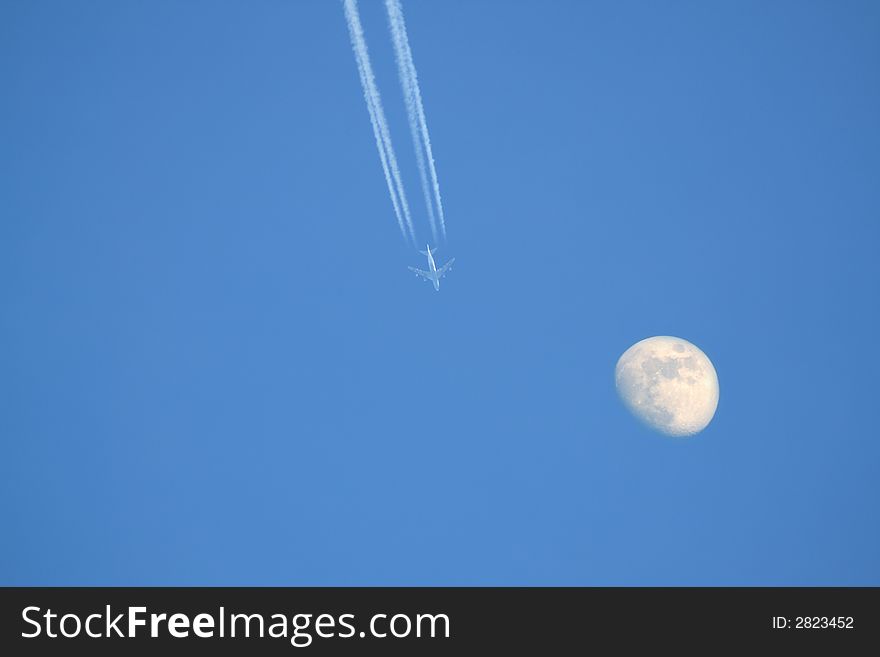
[669,384]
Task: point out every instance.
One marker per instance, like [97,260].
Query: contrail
[409,81]
[412,113]
[378,120]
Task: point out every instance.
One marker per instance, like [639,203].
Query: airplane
[433,274]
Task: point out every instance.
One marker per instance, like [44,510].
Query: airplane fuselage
[432,267]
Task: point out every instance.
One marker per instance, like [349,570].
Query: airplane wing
[422,273]
[445,268]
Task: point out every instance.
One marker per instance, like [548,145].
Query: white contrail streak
[412,114]
[378,120]
[409,81]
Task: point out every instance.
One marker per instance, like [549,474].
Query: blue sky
[216,369]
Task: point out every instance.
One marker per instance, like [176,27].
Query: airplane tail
[433,251]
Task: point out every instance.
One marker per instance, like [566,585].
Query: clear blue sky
[216,369]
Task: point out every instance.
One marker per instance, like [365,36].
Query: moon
[669,384]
